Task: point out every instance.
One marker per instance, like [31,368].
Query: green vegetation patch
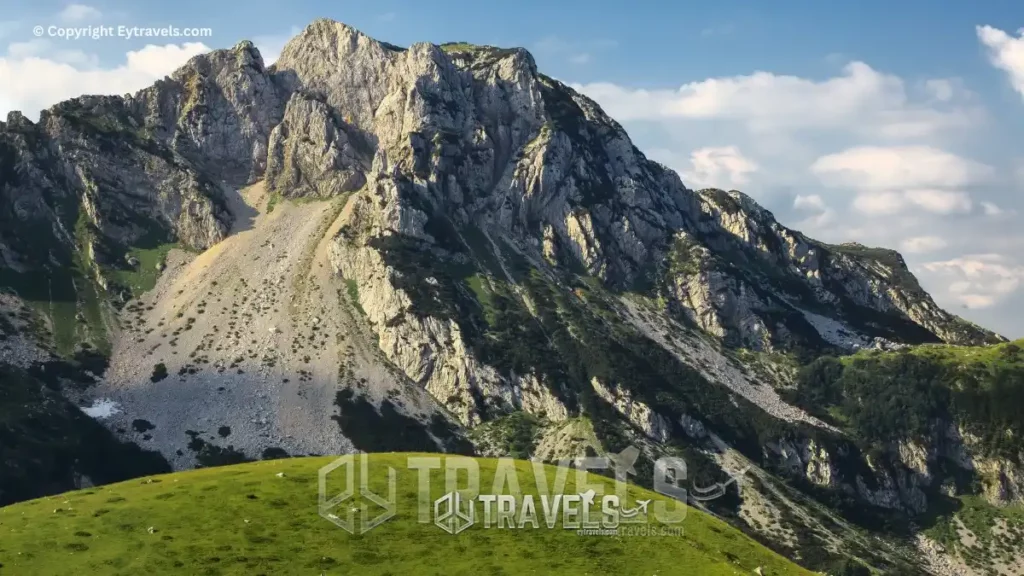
[261,518]
[996,533]
[684,257]
[458,47]
[352,287]
[149,262]
[515,435]
[273,200]
[883,397]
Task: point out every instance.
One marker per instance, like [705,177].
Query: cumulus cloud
[895,167]
[934,201]
[940,201]
[719,167]
[941,89]
[821,215]
[921,244]
[43,47]
[1005,52]
[811,202]
[59,75]
[889,180]
[880,203]
[978,281]
[861,99]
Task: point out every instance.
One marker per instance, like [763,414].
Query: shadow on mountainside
[243,215]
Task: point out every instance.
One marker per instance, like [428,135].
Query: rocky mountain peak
[475,135]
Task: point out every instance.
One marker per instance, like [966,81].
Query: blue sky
[890,123]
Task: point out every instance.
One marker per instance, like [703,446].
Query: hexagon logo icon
[450,515]
[357,510]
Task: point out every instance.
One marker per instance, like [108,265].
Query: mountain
[440,248]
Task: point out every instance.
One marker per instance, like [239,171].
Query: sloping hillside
[952,415]
[262,518]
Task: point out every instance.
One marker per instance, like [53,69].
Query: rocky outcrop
[310,155]
[218,110]
[743,275]
[807,459]
[653,425]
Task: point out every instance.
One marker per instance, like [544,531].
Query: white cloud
[56,78]
[718,167]
[921,244]
[822,216]
[79,13]
[581,58]
[1006,53]
[42,47]
[933,201]
[388,16]
[861,100]
[892,179]
[895,167]
[978,281]
[819,221]
[941,89]
[940,201]
[880,203]
[812,202]
[991,209]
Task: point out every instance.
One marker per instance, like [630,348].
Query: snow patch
[102,408]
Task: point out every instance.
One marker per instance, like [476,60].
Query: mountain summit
[467,134]
[371,247]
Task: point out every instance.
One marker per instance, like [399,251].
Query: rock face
[310,154]
[498,232]
[474,133]
[218,111]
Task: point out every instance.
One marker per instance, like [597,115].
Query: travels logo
[372,509]
[590,508]
[451,515]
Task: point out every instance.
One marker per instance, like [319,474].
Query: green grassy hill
[248,519]
[890,396]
